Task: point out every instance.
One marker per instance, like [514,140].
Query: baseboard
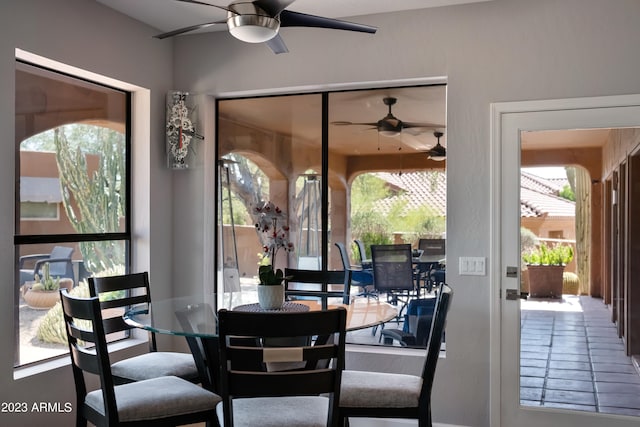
[371,422]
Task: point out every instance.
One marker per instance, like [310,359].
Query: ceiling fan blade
[297,19]
[343,123]
[422,125]
[204,4]
[187,29]
[277,45]
[273,7]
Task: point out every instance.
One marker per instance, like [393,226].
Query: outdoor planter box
[545,281]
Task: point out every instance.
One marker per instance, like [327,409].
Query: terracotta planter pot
[545,281]
[41,300]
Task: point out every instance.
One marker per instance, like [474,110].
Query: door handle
[514,294]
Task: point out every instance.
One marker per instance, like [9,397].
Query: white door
[508,121]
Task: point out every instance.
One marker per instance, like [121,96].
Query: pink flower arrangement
[271,222]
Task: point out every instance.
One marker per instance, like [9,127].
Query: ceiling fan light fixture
[389,132]
[438,152]
[389,126]
[438,158]
[252,28]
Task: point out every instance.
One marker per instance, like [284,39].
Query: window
[338,174]
[72,204]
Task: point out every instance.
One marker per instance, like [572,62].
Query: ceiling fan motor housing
[250,23]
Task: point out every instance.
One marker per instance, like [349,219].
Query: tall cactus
[94,203]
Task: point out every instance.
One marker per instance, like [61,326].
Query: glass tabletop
[187,316]
[194,315]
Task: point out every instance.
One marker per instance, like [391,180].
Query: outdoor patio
[572,358]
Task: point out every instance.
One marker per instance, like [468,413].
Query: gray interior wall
[89,36]
[496,51]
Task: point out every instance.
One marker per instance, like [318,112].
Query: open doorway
[576,340]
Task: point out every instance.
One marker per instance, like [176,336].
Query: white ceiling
[167,15]
[419,105]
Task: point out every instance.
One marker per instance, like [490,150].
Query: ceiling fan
[389,125]
[437,152]
[259,21]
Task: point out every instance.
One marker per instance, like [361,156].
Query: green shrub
[51,328]
[549,255]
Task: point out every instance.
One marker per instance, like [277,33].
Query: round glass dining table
[195,319]
[194,315]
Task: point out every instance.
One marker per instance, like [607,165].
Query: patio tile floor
[574,359]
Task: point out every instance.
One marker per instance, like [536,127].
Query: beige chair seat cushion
[299,411]
[361,389]
[156,398]
[156,364]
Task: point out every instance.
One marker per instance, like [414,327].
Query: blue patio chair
[417,323]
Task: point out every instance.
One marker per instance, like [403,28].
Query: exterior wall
[543,226]
[39,164]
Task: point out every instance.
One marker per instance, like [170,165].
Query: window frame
[30,239]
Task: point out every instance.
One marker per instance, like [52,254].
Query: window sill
[387,350]
[37,368]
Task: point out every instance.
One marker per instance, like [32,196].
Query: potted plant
[271,222]
[42,293]
[545,265]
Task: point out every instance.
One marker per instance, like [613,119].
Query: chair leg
[80,420]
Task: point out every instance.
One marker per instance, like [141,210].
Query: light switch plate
[472,266]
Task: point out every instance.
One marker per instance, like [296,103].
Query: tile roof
[538,196]
[418,189]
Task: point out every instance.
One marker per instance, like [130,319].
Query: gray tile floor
[572,358]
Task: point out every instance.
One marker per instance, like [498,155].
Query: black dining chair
[160,401]
[125,291]
[317,284]
[385,395]
[255,396]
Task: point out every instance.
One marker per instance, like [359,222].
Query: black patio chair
[59,260]
[363,278]
[393,273]
[416,326]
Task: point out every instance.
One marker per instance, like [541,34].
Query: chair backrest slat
[270,384]
[316,283]
[124,291]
